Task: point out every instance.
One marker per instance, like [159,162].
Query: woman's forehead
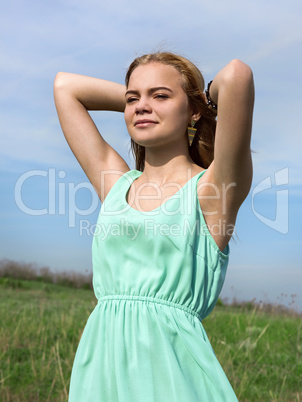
[155,74]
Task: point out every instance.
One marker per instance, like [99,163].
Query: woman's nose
[143,106]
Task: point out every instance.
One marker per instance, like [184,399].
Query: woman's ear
[196,116]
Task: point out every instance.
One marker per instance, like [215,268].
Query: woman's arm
[74,95]
[233,91]
[93,93]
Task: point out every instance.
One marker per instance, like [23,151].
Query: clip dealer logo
[60,197]
[280,223]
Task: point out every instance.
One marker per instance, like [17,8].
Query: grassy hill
[41,324]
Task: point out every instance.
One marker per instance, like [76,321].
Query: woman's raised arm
[233,91]
[74,95]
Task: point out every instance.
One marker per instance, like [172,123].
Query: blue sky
[100,39]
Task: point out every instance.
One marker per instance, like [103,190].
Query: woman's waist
[189,308]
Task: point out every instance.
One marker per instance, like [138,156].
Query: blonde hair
[202,148]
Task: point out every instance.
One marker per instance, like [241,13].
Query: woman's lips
[144,123]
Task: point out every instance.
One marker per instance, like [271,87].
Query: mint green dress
[156,276]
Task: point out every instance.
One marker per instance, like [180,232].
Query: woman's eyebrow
[131,92]
[150,91]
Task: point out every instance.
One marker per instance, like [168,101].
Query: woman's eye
[161,96]
[130,100]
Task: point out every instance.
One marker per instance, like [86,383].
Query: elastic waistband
[152,300]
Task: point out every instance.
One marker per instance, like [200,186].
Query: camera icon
[280,223]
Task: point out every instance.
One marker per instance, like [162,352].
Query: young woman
[161,249]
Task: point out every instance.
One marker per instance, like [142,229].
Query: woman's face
[157,108]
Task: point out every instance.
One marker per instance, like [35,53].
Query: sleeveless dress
[156,276]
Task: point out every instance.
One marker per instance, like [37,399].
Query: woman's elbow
[239,69]
[60,80]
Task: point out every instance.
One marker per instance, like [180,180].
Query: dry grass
[31,272]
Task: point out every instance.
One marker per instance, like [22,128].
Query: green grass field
[41,325]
